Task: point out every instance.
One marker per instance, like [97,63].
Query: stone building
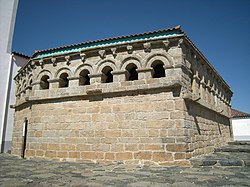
[149,98]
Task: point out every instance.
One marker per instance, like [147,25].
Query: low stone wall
[138,129]
[151,128]
[207,129]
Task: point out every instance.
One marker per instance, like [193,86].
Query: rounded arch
[131,69]
[82,67]
[165,58]
[84,78]
[42,73]
[63,70]
[24,84]
[44,83]
[19,89]
[30,76]
[136,60]
[102,64]
[158,67]
[30,81]
[63,80]
[107,74]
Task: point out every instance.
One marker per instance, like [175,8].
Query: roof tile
[239,114]
[177,28]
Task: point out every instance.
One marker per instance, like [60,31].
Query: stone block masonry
[153,100]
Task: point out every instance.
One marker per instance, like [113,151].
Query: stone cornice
[198,100]
[99,89]
[201,56]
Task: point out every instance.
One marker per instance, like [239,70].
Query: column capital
[95,75]
[119,72]
[145,70]
[53,80]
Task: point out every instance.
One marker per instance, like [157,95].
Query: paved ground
[19,172]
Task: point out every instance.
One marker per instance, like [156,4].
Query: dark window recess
[30,84]
[133,75]
[108,75]
[44,84]
[63,80]
[84,78]
[159,71]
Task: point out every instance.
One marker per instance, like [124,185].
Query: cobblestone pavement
[20,172]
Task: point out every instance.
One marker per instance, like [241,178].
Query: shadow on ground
[20,172]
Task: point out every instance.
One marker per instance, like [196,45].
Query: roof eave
[206,60]
[176,29]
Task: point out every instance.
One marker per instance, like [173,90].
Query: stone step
[222,162]
[231,155]
[234,148]
[239,143]
[223,159]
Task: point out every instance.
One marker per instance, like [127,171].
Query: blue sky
[219,28]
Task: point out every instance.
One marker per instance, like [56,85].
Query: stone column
[212,96]
[96,78]
[36,85]
[208,92]
[176,70]
[169,70]
[53,83]
[120,76]
[73,81]
[202,88]
[28,91]
[219,100]
[223,103]
[145,73]
[177,54]
[36,88]
[216,97]
[195,83]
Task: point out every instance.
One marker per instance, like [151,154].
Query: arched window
[44,83]
[159,71]
[133,75]
[63,80]
[108,77]
[84,78]
[23,84]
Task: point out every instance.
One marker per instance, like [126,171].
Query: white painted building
[9,65]
[240,125]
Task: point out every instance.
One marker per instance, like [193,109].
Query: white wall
[7,21]
[17,62]
[241,129]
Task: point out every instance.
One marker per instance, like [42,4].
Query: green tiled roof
[110,41]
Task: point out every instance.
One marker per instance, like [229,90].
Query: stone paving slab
[20,172]
[233,154]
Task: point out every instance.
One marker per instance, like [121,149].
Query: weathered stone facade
[149,98]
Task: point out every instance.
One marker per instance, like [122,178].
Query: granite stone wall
[142,103]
